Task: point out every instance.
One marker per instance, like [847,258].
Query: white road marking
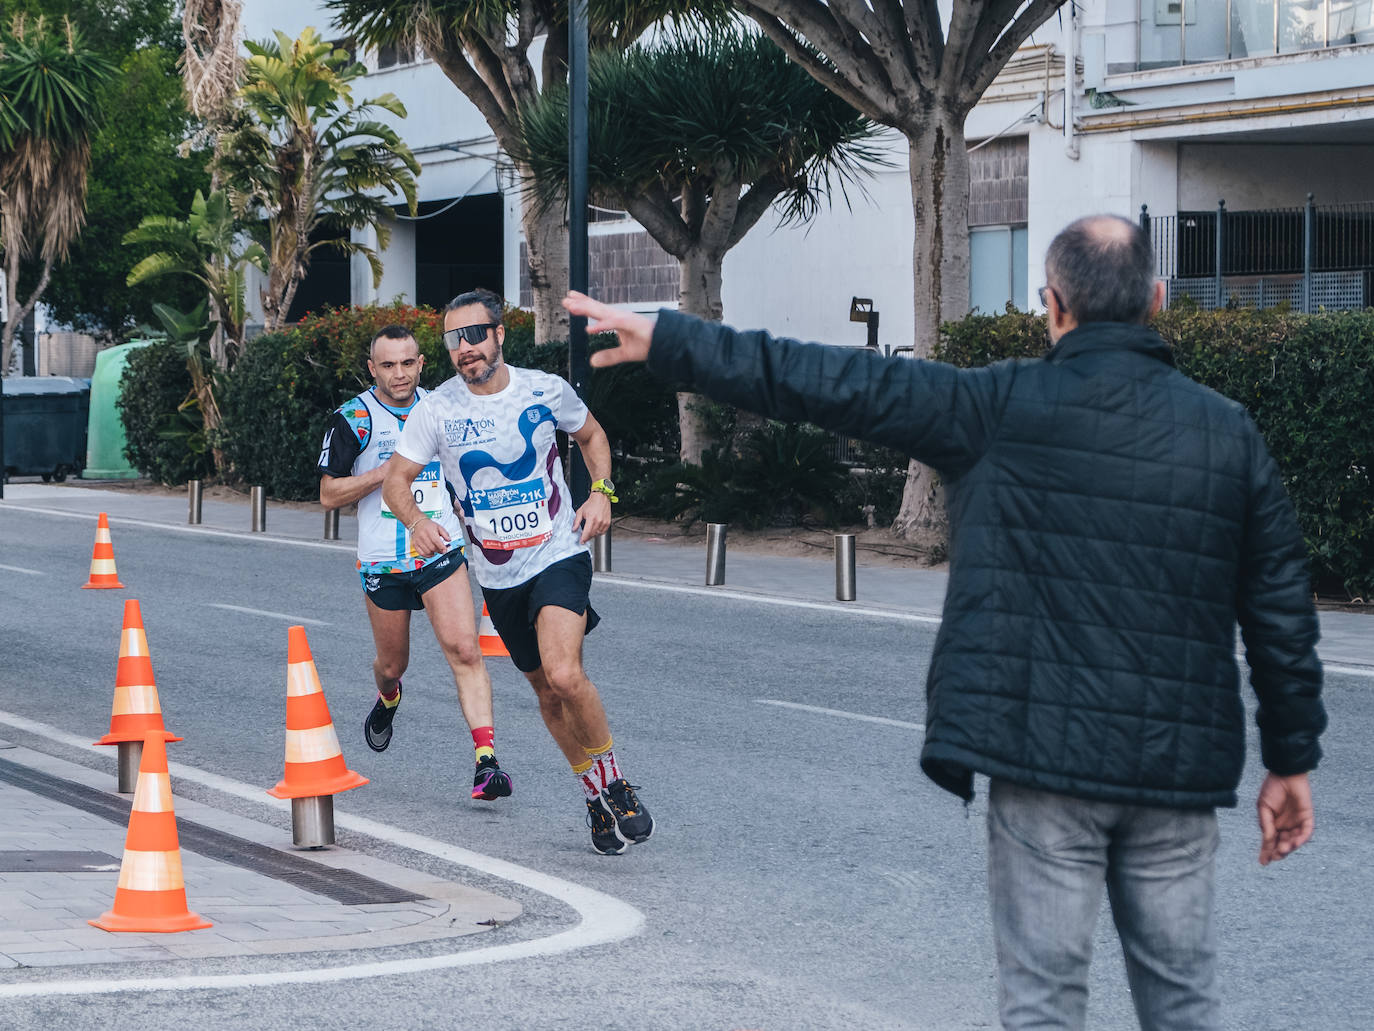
[1349,671]
[204,531]
[264,612]
[764,599]
[603,919]
[844,715]
[21,569]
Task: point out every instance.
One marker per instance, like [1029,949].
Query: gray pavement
[44,907]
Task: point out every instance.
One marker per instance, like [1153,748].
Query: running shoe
[605,838]
[377,726]
[490,780]
[632,820]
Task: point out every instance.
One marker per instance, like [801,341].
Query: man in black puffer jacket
[1111,522]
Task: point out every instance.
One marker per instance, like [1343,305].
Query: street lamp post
[578,368]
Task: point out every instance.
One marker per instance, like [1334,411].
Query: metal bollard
[601,552]
[258,500]
[193,495]
[130,756]
[844,567]
[331,524]
[715,554]
[312,821]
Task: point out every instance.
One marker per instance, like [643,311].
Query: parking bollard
[715,554]
[845,578]
[258,501]
[331,524]
[193,496]
[601,552]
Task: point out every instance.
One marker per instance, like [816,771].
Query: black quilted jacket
[1111,522]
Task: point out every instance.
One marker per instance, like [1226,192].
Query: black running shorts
[566,584]
[397,592]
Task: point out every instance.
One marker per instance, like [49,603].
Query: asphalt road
[804,874]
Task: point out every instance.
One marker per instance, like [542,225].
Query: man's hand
[428,537]
[1285,815]
[636,332]
[594,516]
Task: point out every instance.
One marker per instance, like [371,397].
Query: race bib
[428,490]
[510,517]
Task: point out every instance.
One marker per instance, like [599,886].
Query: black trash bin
[44,425]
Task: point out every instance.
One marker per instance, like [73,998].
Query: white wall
[1250,176]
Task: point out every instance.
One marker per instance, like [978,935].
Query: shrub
[165,438]
[1306,380]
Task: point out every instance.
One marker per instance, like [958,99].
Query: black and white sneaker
[632,819]
[490,781]
[605,838]
[377,726]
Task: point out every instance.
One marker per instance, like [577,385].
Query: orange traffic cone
[136,712]
[314,760]
[103,573]
[151,895]
[488,638]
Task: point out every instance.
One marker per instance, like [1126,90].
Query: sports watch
[605,487]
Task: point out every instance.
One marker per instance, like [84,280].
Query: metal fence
[1307,256]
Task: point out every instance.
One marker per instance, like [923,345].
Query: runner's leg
[570,694]
[391,636]
[451,614]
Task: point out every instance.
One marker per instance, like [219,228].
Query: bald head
[1102,269]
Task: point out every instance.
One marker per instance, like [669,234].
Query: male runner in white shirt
[493,427]
[398,575]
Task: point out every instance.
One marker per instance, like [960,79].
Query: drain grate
[343,886]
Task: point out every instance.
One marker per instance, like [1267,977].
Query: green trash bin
[44,426]
[105,437]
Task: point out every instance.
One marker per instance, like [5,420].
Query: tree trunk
[699,295]
[17,312]
[546,257]
[940,270]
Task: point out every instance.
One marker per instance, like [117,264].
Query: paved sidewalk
[59,866]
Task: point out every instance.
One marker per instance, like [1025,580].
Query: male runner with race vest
[400,574]
[493,427]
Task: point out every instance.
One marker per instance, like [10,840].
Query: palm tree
[487,48]
[698,137]
[48,84]
[306,163]
[209,247]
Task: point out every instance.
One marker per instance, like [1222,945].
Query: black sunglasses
[1045,292]
[453,338]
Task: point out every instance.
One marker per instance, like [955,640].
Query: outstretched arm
[636,332]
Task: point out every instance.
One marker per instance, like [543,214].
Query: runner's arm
[337,491]
[427,536]
[595,514]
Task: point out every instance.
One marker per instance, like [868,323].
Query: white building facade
[1172,107]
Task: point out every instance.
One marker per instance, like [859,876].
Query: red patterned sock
[484,742]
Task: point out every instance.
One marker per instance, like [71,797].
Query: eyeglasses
[453,338]
[1045,292]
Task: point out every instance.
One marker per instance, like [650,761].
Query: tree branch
[753,205]
[449,54]
[655,211]
[927,35]
[983,72]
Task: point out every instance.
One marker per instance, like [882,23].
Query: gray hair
[1102,268]
[488,299]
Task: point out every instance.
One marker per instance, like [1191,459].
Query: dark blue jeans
[1049,858]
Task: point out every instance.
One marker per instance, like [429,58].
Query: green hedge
[165,441]
[1308,382]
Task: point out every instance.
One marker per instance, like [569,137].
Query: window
[998,256]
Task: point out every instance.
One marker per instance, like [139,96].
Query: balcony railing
[1308,256]
[1176,32]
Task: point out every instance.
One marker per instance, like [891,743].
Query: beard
[477,375]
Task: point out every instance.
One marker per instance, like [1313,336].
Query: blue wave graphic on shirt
[520,468]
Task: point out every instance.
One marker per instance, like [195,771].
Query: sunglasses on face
[453,338]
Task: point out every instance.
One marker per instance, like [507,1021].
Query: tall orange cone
[136,711]
[487,637]
[314,760]
[151,895]
[103,573]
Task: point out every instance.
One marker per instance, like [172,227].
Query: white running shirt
[500,453]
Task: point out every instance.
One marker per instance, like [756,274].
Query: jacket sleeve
[939,414]
[1278,623]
